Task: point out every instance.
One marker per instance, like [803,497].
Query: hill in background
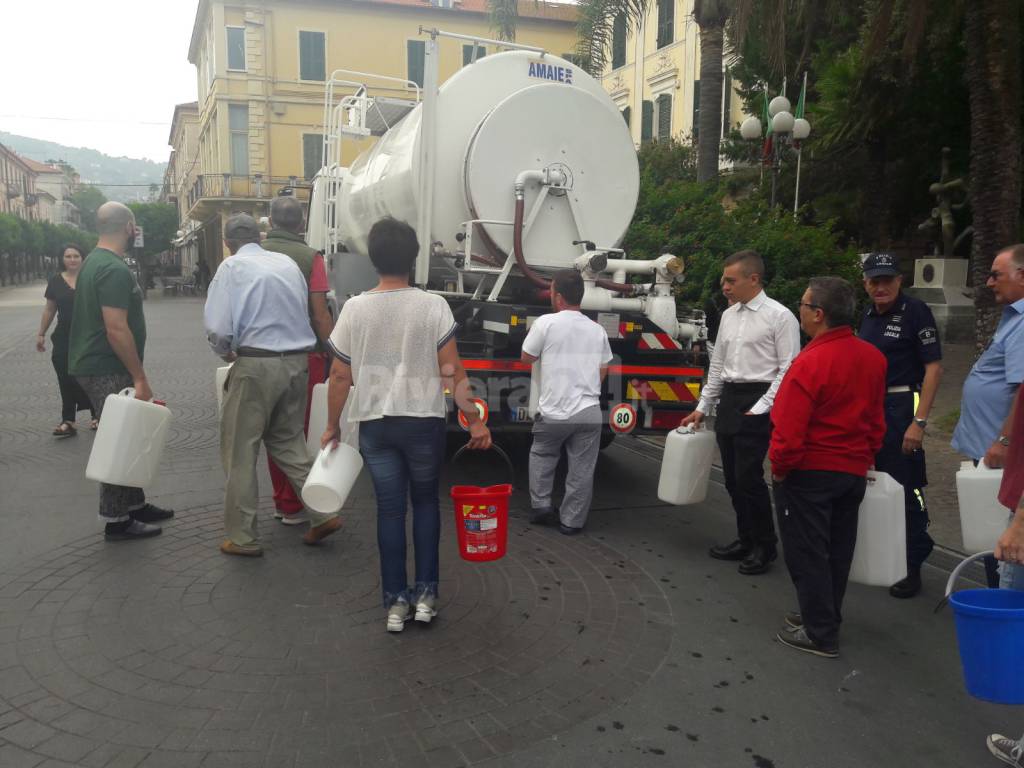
[94,167]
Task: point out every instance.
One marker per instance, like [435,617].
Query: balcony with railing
[210,189]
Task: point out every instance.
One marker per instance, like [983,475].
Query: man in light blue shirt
[257,317]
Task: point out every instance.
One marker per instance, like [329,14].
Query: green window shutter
[647,121]
[312,154]
[416,51]
[666,22]
[664,117]
[626,111]
[467,53]
[696,109]
[236,48]
[619,42]
[312,56]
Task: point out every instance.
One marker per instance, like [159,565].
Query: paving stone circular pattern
[168,647]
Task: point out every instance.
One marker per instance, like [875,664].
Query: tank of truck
[505,114]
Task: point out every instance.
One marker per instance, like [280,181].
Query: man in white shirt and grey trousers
[574,354]
[757,340]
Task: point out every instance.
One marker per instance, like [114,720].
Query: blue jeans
[404,455]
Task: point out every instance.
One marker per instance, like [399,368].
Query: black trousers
[72,397]
[743,442]
[818,523]
[909,471]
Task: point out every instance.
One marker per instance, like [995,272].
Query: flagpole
[800,151]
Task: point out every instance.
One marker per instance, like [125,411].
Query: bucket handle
[956,574]
[497,449]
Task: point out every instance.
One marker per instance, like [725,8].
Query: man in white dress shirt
[757,340]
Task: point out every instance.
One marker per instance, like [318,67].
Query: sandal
[66,429]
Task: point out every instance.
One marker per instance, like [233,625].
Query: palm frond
[595,27]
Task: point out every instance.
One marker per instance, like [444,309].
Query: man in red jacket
[828,424]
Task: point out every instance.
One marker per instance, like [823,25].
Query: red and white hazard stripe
[650,341]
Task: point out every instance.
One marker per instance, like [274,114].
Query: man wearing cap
[903,329]
[257,316]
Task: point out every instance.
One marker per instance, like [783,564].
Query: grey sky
[106,73]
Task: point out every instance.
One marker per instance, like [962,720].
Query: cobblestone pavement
[625,646]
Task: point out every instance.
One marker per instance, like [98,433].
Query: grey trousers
[116,501]
[264,400]
[581,436]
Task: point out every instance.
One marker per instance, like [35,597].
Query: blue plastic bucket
[990,633]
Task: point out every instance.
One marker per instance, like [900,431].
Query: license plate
[520,414]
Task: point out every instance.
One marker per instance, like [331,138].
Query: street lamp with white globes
[785,130]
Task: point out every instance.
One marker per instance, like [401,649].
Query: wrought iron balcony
[226,186]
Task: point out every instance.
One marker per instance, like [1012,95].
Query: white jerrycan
[880,559]
[686,466]
[129,441]
[318,420]
[331,478]
[982,518]
[220,378]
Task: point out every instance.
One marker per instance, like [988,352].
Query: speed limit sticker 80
[622,418]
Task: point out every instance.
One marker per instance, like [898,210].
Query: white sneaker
[1008,750]
[297,519]
[426,608]
[398,614]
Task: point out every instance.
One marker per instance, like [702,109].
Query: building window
[312,154]
[696,109]
[619,41]
[236,48]
[666,22]
[417,53]
[238,125]
[664,109]
[312,56]
[647,121]
[467,53]
[626,113]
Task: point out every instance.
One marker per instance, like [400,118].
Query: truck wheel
[607,438]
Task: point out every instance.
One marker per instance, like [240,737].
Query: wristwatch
[922,423]
[1003,440]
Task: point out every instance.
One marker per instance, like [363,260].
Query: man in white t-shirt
[574,354]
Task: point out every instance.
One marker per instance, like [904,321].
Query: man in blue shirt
[903,329]
[986,413]
[257,317]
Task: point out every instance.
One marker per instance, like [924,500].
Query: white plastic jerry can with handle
[686,466]
[331,478]
[318,420]
[129,442]
[880,558]
[982,518]
[220,379]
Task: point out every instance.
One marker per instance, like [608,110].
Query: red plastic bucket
[481,517]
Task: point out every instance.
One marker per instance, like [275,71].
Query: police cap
[879,264]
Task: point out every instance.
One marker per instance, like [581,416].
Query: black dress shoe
[909,586]
[544,517]
[151,514]
[799,640]
[735,550]
[758,561]
[134,530]
[569,530]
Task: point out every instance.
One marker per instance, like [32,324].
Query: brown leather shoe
[319,533]
[228,547]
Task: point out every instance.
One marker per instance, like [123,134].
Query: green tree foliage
[159,222]
[677,214]
[40,238]
[87,200]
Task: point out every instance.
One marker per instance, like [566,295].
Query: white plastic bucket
[880,559]
[331,478]
[318,420]
[129,442]
[686,466]
[982,518]
[220,378]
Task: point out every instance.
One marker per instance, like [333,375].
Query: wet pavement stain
[672,728]
[693,737]
[601,729]
[617,725]
[762,762]
[719,710]
[656,751]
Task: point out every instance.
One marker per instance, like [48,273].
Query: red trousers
[286,500]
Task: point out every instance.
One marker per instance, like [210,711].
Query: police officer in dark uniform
[903,329]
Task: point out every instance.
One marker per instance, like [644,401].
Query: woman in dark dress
[60,301]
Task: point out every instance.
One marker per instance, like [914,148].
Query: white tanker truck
[518,165]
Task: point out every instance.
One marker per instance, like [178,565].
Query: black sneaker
[151,514]
[799,640]
[908,587]
[1009,751]
[134,530]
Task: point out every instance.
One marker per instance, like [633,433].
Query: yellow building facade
[653,75]
[261,70]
